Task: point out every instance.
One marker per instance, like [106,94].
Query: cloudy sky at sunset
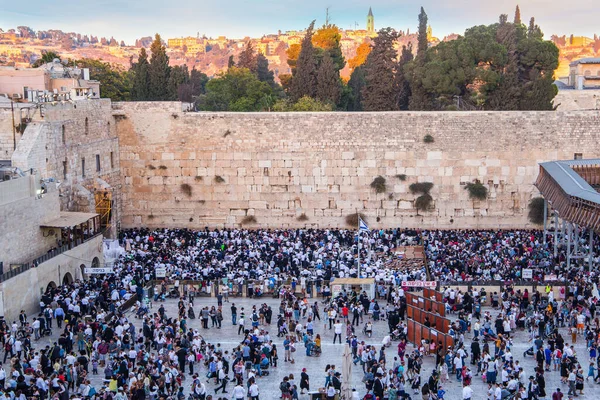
[128,20]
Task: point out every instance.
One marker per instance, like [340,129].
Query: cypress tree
[304,82]
[356,84]
[158,71]
[263,72]
[328,79]
[422,38]
[230,62]
[379,92]
[402,85]
[247,58]
[419,98]
[140,87]
[179,76]
[517,20]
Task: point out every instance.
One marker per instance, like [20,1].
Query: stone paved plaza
[332,354]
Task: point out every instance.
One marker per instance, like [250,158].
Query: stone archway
[82,267]
[96,262]
[67,279]
[51,286]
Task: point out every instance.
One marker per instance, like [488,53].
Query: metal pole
[545,220]
[568,245]
[12,110]
[591,257]
[555,235]
[358,243]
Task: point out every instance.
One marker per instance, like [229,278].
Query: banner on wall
[427,284]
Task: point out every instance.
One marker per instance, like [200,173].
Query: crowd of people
[168,358]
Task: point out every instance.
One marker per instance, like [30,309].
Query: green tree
[304,81]
[534,31]
[304,104]
[328,79]
[356,84]
[517,20]
[419,98]
[141,81]
[47,56]
[179,77]
[238,89]
[115,81]
[198,82]
[402,84]
[379,92]
[263,73]
[230,62]
[247,58]
[158,71]
[328,39]
[423,44]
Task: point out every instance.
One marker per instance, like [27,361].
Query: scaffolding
[104,208]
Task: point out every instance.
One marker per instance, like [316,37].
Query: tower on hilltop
[370,22]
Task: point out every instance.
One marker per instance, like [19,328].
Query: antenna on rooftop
[327,15]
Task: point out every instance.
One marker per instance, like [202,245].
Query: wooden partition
[438,322]
[417,332]
[432,293]
[426,304]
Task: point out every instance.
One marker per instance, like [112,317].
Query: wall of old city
[217,169]
[76,144]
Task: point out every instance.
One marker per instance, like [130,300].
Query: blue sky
[131,19]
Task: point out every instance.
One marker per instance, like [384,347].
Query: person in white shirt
[467,392]
[337,329]
[253,391]
[239,393]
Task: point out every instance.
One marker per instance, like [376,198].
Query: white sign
[527,273]
[95,271]
[427,284]
[550,277]
[160,272]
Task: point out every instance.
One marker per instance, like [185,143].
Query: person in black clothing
[475,353]
[378,387]
[304,381]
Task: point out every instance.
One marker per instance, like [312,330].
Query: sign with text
[160,272]
[96,271]
[427,284]
[527,273]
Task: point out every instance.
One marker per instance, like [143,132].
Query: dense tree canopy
[238,89]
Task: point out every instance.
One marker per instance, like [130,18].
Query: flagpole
[358,247]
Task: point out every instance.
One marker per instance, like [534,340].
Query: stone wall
[20,219]
[277,166]
[24,291]
[572,100]
[68,134]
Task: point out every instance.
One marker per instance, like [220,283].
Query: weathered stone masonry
[277,166]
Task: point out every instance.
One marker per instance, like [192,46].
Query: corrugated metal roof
[570,181]
[587,60]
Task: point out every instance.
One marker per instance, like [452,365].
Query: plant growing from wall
[379,184]
[186,189]
[151,167]
[536,210]
[227,133]
[428,139]
[424,201]
[150,217]
[302,217]
[477,191]
[420,187]
[219,179]
[163,167]
[248,220]
[401,177]
[198,178]
[352,219]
